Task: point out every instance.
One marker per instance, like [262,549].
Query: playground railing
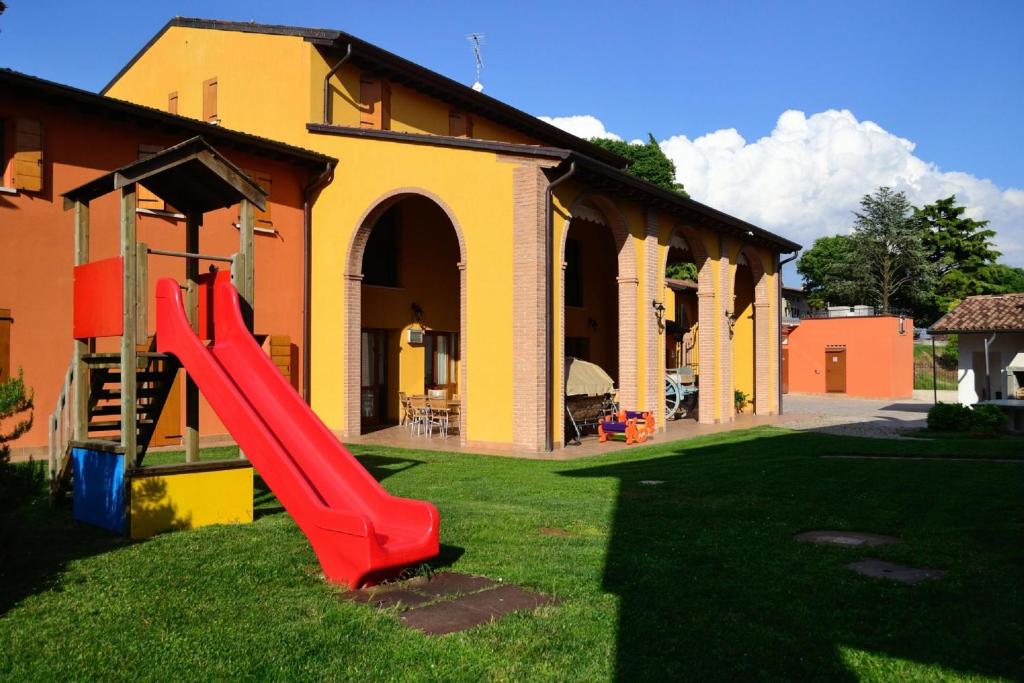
[60,424]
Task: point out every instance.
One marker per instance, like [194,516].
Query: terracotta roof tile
[988,313]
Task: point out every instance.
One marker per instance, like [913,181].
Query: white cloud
[805,178]
[584,126]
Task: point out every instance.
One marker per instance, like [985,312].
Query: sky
[781,113]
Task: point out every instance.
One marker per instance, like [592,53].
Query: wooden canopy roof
[191,176]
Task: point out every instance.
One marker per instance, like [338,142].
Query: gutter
[778,365]
[327,83]
[988,371]
[307,269]
[549,296]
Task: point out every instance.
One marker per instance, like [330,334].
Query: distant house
[991,360]
[795,304]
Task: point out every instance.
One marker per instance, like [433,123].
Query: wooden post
[245,249]
[192,223]
[80,407]
[129,254]
[142,293]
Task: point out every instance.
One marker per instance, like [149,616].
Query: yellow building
[505,241]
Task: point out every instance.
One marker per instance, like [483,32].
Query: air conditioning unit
[415,335]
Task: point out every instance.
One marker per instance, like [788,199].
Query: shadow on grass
[379,466]
[712,585]
[36,545]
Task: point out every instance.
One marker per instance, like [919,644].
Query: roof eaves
[111,104]
[671,200]
[450,89]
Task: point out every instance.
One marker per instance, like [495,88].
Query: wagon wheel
[673,397]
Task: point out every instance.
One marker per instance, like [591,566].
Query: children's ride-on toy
[633,425]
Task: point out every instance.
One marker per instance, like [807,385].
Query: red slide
[358,530]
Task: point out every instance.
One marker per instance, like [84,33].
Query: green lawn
[697,578]
[944,376]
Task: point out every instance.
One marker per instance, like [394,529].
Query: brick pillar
[353,342]
[706,359]
[463,353]
[725,360]
[763,350]
[654,334]
[628,343]
[530,270]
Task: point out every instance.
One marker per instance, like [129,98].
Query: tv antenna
[477,39]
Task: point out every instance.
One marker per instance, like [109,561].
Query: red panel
[206,282]
[99,299]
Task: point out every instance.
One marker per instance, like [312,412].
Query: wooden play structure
[111,400]
[635,426]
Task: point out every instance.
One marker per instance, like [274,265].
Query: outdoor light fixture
[659,312]
[417,312]
[592,323]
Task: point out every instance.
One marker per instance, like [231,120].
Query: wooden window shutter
[28,155]
[460,124]
[210,113]
[172,102]
[385,106]
[5,343]
[369,102]
[261,219]
[145,198]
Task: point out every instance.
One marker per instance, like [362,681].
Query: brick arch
[353,285]
[706,318]
[628,286]
[762,328]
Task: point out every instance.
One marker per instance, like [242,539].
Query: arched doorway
[689,303]
[405,309]
[599,295]
[749,332]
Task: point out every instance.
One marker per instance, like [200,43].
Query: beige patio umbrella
[586,379]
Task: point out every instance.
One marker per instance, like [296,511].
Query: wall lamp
[659,313]
[417,313]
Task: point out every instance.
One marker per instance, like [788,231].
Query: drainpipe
[778,309]
[307,266]
[988,373]
[327,84]
[549,296]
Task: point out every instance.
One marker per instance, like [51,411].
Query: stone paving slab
[845,538]
[881,569]
[472,610]
[450,583]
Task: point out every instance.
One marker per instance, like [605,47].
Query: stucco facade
[489,185]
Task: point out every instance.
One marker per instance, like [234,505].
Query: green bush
[949,417]
[741,399]
[987,418]
[953,417]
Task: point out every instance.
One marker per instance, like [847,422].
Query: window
[374,103]
[573,274]
[145,198]
[460,124]
[262,219]
[172,102]
[21,155]
[210,113]
[380,259]
[441,355]
[5,343]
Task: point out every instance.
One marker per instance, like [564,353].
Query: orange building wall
[879,360]
[37,245]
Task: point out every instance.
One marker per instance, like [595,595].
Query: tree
[889,254]
[647,162]
[961,252]
[829,274]
[15,399]
[1001,278]
[681,270]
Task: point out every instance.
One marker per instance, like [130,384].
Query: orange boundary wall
[879,360]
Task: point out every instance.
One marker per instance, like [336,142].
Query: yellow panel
[190,500]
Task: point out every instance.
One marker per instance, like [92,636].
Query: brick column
[628,342]
[725,360]
[706,359]
[762,358]
[353,344]
[654,334]
[530,270]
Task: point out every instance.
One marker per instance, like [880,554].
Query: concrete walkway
[877,418]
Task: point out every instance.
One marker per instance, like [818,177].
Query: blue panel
[99,488]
